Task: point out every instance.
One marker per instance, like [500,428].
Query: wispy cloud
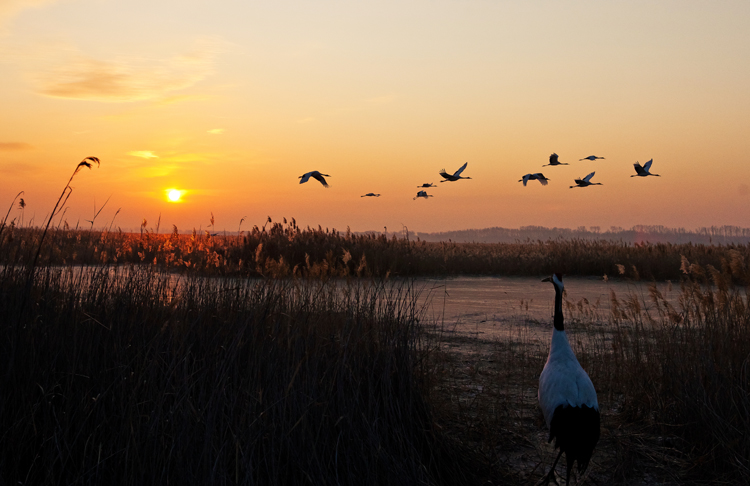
[217,131]
[126,79]
[144,154]
[9,8]
[15,146]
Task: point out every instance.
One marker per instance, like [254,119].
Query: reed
[129,375]
[280,249]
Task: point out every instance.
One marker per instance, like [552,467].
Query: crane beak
[548,279]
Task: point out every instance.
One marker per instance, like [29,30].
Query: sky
[231,101]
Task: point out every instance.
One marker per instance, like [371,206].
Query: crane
[591,157]
[567,397]
[422,194]
[534,177]
[455,176]
[370,194]
[553,160]
[315,175]
[586,181]
[644,171]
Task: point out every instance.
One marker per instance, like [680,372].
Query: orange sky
[231,101]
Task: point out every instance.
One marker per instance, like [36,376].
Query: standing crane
[567,397]
[586,181]
[644,171]
[455,176]
[553,160]
[315,175]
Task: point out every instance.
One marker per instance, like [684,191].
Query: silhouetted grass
[284,249]
[126,375]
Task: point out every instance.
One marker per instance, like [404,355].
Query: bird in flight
[370,194]
[423,194]
[455,176]
[591,157]
[554,161]
[426,184]
[315,175]
[644,171]
[586,181]
[534,177]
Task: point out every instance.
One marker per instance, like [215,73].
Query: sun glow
[174,195]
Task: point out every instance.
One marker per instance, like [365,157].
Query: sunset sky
[231,101]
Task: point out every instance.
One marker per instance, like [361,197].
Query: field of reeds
[283,249]
[147,358]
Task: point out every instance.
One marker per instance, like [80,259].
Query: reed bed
[128,375]
[672,381]
[280,249]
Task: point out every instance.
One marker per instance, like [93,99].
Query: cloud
[126,79]
[144,154]
[9,8]
[217,131]
[15,146]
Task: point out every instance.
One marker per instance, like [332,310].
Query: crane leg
[551,475]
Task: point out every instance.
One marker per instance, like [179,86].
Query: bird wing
[318,176]
[304,178]
[526,179]
[458,172]
[445,174]
[647,165]
[553,159]
[588,177]
[540,177]
[638,169]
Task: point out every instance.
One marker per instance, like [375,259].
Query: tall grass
[126,375]
[284,249]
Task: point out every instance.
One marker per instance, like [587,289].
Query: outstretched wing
[647,165]
[458,172]
[319,177]
[445,175]
[638,169]
[588,177]
[553,159]
[305,178]
[526,179]
[540,177]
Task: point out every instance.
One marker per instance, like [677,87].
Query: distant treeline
[285,249]
[714,235]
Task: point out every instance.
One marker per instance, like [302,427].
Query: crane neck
[559,321]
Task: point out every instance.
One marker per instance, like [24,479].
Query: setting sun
[174,195]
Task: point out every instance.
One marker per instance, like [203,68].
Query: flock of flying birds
[640,171]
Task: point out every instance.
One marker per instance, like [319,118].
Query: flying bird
[554,161]
[534,177]
[315,175]
[428,185]
[423,194]
[644,171]
[586,181]
[455,176]
[370,194]
[591,157]
[567,397]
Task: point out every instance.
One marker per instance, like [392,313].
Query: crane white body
[567,397]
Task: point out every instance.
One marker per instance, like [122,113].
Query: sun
[174,195]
